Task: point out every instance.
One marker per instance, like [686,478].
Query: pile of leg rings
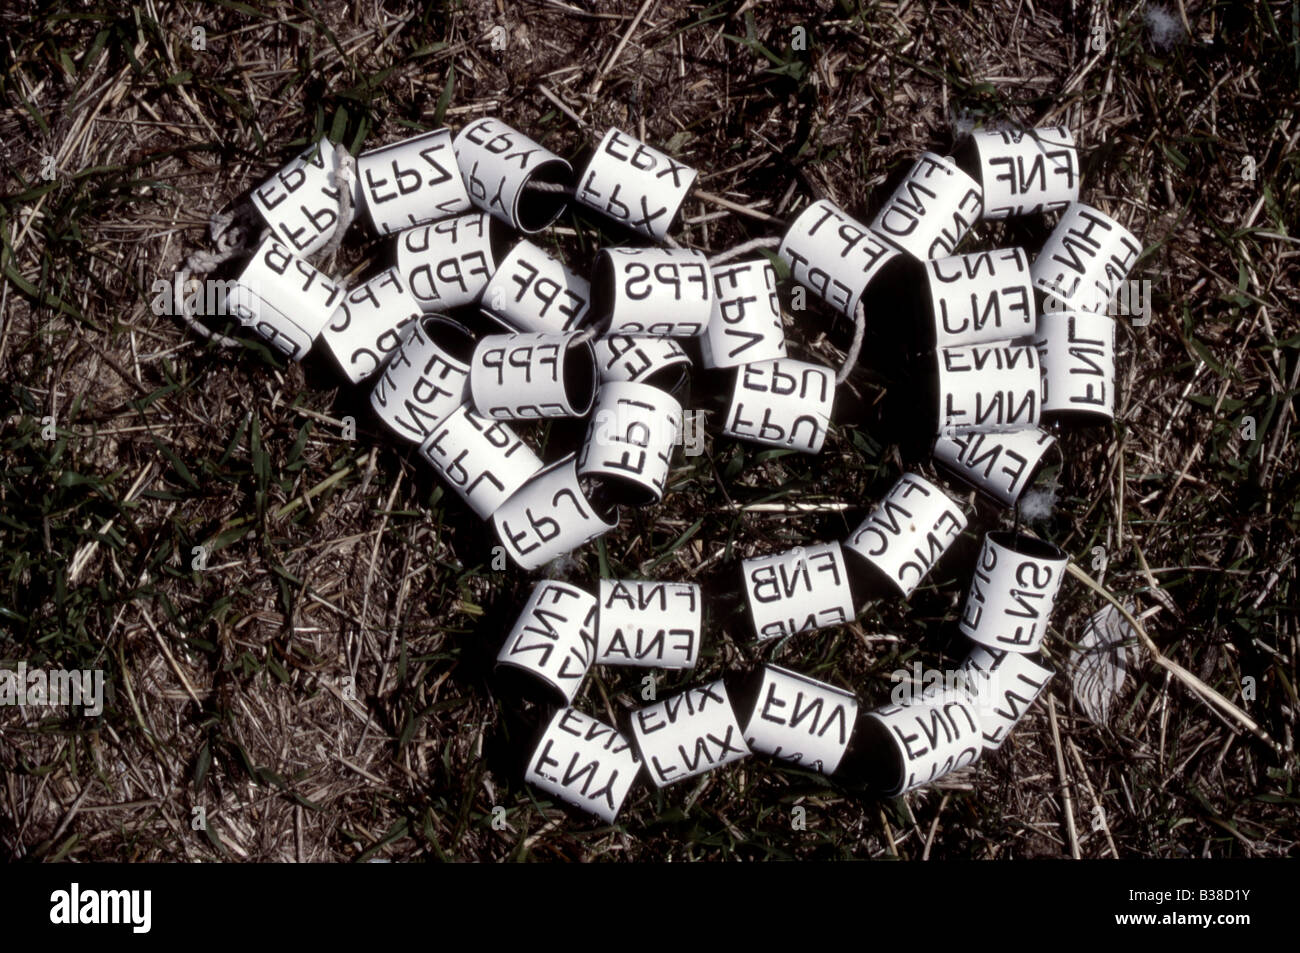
[466,332]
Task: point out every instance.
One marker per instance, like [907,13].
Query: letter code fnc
[885,526]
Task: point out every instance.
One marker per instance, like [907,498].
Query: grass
[320,689]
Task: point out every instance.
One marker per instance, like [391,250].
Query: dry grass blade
[1198,687]
[1098,663]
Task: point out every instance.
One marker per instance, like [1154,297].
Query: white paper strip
[834,256]
[648,624]
[299,203]
[584,762]
[482,460]
[1000,464]
[427,379]
[1005,685]
[908,531]
[1084,260]
[1027,172]
[982,297]
[931,738]
[932,209]
[283,298]
[782,403]
[549,516]
[660,362]
[411,182]
[554,638]
[660,292]
[535,291]
[988,388]
[1012,592]
[1077,354]
[801,720]
[370,323]
[447,264]
[798,590]
[634,184]
[527,376]
[745,323]
[630,441]
[688,734]
[497,163]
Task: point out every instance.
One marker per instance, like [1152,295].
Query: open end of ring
[537,208]
[580,376]
[1023,545]
[452,338]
